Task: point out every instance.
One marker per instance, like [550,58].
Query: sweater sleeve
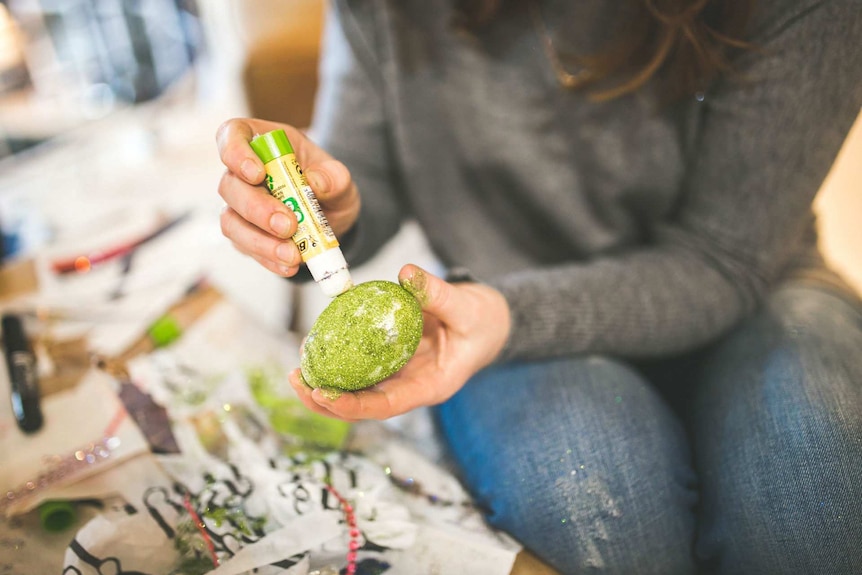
[350,123]
[766,140]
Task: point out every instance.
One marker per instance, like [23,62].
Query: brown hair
[683,44]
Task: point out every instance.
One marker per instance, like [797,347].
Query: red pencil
[84,263]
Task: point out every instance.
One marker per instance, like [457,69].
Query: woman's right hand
[258,224]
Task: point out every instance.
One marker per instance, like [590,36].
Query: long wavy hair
[682,44]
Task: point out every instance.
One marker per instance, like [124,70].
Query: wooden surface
[528,564]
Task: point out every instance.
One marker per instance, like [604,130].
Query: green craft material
[362,337]
[164,331]
[271,145]
[56,515]
[288,416]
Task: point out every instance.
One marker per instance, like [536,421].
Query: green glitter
[416,285]
[362,337]
[331,393]
[288,416]
[192,549]
[236,518]
[618,399]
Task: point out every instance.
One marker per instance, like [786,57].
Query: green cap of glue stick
[271,145]
[165,330]
[56,515]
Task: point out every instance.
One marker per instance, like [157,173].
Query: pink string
[201,527]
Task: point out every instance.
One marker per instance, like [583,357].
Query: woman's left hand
[466,327]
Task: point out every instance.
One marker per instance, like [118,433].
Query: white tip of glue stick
[336,283]
[329,270]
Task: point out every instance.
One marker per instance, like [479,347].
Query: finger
[351,405]
[251,240]
[304,393]
[276,268]
[433,294]
[257,206]
[375,402]
[309,403]
[233,137]
[331,182]
[334,188]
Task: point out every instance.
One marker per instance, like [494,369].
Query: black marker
[21,363]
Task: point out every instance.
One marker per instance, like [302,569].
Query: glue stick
[314,237]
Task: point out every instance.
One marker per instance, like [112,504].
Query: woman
[644,365]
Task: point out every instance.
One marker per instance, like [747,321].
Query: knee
[599,522]
[788,501]
[803,310]
[781,483]
[590,470]
[801,331]
[785,385]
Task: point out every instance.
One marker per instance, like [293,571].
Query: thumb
[432,293]
[330,180]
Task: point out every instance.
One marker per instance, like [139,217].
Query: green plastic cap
[271,145]
[56,515]
[164,331]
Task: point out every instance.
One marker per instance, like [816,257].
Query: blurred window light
[137,48]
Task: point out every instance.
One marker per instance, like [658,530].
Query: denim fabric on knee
[581,461]
[584,463]
[777,433]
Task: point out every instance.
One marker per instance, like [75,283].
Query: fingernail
[279,223]
[416,284]
[313,180]
[285,253]
[250,169]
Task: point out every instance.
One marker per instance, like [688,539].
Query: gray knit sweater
[621,228]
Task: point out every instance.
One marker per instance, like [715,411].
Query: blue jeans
[743,458]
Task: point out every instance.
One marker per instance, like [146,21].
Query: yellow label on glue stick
[317,243]
[287,183]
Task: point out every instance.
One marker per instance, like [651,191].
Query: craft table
[186,452]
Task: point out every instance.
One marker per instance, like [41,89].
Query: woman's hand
[259,225]
[466,327]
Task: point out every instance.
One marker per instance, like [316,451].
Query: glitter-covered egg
[362,337]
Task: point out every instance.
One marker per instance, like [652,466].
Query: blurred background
[108,111]
[107,104]
[67,62]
